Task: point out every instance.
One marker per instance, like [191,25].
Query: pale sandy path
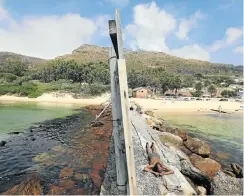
[186,106]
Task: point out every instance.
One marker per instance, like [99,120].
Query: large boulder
[182,134]
[197,146]
[223,184]
[194,174]
[206,165]
[170,139]
[31,187]
[153,122]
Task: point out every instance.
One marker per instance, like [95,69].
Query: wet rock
[223,155]
[97,124]
[99,132]
[223,184]
[31,187]
[2,143]
[33,139]
[185,150]
[206,165]
[79,191]
[56,190]
[182,134]
[201,190]
[43,157]
[171,139]
[149,113]
[66,172]
[96,178]
[197,146]
[82,177]
[237,170]
[194,174]
[67,183]
[14,133]
[230,173]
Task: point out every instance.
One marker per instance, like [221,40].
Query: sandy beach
[187,106]
[58,98]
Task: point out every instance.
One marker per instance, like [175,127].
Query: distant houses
[141,92]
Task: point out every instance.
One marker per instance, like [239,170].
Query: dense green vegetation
[56,75]
[86,73]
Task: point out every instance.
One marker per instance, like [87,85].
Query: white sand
[186,106]
[58,98]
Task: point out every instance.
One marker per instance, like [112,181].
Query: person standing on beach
[155,165]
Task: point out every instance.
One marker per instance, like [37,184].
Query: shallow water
[18,116]
[63,153]
[223,132]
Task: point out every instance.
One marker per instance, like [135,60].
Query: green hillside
[143,59]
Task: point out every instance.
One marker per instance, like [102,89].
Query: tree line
[70,74]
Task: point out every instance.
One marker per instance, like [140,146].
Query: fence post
[120,107]
[121,169]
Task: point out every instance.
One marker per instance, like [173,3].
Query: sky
[209,30]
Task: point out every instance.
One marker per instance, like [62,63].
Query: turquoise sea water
[19,116]
[223,132]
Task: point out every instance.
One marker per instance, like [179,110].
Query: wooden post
[121,169]
[120,108]
[124,98]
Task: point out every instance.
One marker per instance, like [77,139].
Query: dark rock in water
[223,184]
[230,173]
[194,174]
[15,133]
[237,170]
[2,143]
[97,124]
[33,139]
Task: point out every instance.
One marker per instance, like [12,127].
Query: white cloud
[231,36]
[186,25]
[191,52]
[148,28]
[102,24]
[47,36]
[120,3]
[239,50]
[152,26]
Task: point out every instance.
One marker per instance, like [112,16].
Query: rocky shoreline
[215,179]
[59,156]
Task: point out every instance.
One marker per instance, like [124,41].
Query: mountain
[29,61]
[134,59]
[142,59]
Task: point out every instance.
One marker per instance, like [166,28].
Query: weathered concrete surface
[169,184]
[148,184]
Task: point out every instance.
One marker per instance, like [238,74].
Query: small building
[141,92]
[240,94]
